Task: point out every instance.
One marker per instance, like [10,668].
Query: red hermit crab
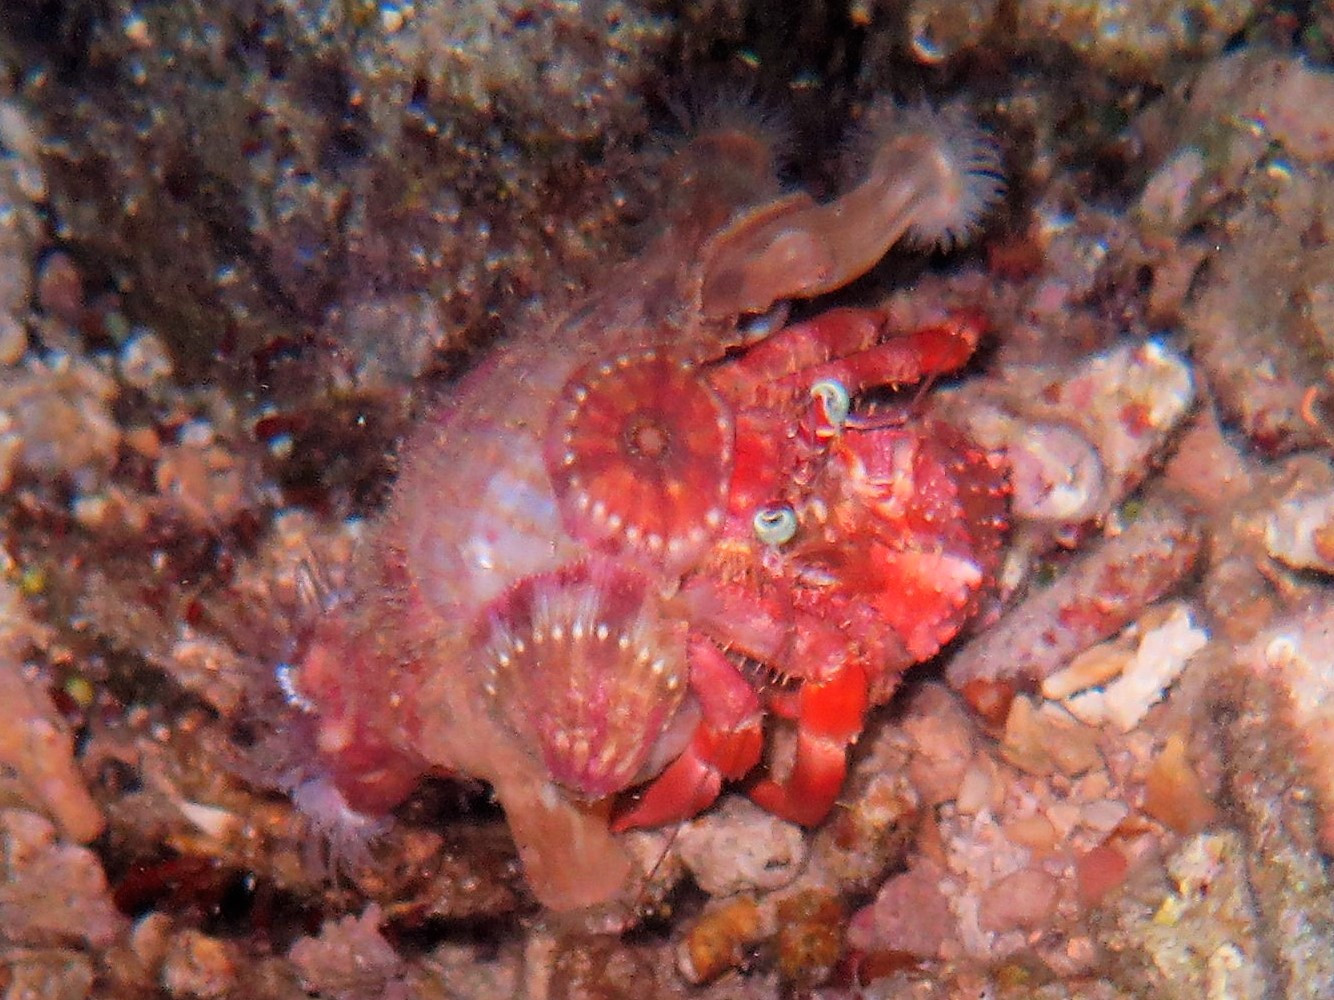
[618,524]
[853,548]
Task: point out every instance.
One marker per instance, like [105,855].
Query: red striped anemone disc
[640,454]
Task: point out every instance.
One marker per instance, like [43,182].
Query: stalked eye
[775,524]
[832,402]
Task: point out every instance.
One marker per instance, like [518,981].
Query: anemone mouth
[971,177]
[962,171]
[583,665]
[640,455]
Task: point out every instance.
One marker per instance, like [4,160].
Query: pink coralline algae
[613,524]
[37,765]
[1100,593]
[1295,655]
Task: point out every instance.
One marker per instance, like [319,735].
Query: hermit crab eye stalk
[775,524]
[832,404]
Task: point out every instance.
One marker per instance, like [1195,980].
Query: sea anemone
[951,164]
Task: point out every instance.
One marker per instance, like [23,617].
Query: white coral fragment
[1299,532]
[1158,656]
[1129,399]
[740,848]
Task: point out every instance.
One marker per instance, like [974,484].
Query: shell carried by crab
[620,530]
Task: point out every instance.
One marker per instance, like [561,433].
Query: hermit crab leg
[830,715]
[726,744]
